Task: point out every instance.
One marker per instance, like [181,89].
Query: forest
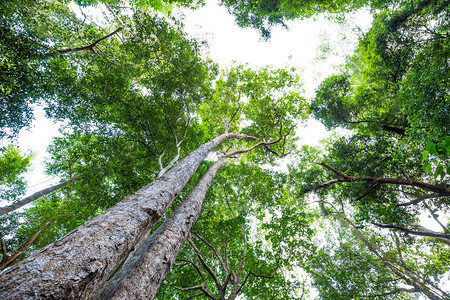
[179,178]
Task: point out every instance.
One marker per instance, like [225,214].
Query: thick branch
[419,199]
[4,250]
[192,288]
[90,46]
[8,260]
[379,180]
[425,232]
[236,287]
[396,130]
[205,265]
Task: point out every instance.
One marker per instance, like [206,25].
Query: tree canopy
[145,116]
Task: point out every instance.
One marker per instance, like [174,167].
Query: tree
[172,94]
[263,15]
[368,264]
[223,258]
[149,265]
[386,86]
[137,101]
[96,262]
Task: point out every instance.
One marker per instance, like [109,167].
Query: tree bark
[6,209]
[77,265]
[142,275]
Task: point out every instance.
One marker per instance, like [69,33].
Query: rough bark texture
[35,196]
[77,265]
[142,275]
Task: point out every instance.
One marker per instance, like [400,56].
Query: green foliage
[31,67]
[394,102]
[258,103]
[435,157]
[263,15]
[12,165]
[347,269]
[400,83]
[158,5]
[143,98]
[331,102]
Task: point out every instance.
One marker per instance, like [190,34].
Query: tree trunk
[77,265]
[142,275]
[6,209]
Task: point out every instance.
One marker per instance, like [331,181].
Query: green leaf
[427,168]
[439,171]
[431,148]
[425,155]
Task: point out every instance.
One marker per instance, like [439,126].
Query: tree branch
[8,260]
[419,199]
[205,265]
[379,180]
[90,46]
[435,216]
[197,268]
[421,233]
[4,250]
[212,248]
[192,288]
[256,275]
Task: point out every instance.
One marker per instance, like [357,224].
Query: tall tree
[224,259]
[280,106]
[115,234]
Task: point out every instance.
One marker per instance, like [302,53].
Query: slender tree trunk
[142,275]
[6,209]
[77,265]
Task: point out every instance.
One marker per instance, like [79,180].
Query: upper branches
[442,190]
